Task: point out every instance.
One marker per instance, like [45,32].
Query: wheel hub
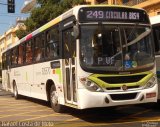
[54,98]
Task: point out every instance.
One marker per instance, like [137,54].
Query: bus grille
[119,88]
[122,79]
[128,96]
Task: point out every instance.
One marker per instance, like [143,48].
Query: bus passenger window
[52,43]
[39,48]
[156,34]
[38,54]
[4,61]
[28,52]
[14,56]
[20,56]
[49,53]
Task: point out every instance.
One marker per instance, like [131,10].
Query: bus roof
[63,16]
[155,19]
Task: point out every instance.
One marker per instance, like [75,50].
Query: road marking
[147,118]
[151,120]
[26,110]
[19,108]
[13,105]
[42,116]
[22,113]
[12,102]
[56,114]
[74,119]
[84,123]
[140,113]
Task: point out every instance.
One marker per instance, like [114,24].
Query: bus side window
[14,56]
[39,47]
[28,52]
[48,40]
[20,54]
[52,43]
[4,65]
[156,34]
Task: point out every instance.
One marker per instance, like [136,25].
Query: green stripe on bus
[58,71]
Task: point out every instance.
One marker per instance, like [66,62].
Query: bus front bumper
[88,99]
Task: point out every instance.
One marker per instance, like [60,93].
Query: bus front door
[69,53]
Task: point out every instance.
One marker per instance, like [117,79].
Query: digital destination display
[112,14]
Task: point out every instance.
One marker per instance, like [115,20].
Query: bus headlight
[150,83]
[90,85]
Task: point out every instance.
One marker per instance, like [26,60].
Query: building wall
[2,46]
[151,6]
[153,10]
[9,37]
[6,40]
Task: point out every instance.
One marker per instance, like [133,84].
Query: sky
[7,20]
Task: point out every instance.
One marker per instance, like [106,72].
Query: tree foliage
[21,33]
[45,11]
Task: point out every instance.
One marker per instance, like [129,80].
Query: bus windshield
[116,48]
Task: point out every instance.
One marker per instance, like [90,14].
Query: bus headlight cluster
[90,85]
[150,83]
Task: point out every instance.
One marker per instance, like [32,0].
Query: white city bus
[90,56]
[155,22]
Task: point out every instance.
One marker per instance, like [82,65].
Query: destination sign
[112,14]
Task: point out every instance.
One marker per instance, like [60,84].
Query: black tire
[54,100]
[15,91]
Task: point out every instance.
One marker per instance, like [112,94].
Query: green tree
[21,33]
[45,11]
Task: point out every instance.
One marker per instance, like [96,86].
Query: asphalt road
[32,112]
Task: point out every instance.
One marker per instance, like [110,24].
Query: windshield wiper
[138,38]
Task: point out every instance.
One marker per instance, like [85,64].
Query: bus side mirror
[76,31]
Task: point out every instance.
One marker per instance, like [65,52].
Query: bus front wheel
[54,100]
[15,91]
